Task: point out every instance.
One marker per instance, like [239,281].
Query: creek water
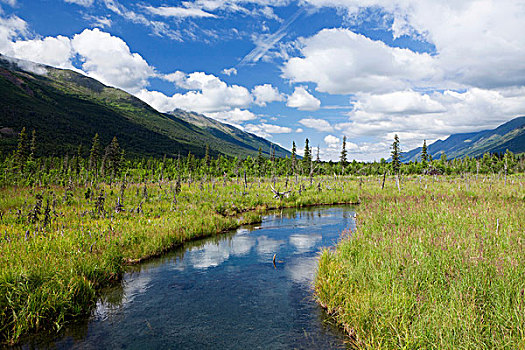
[222,292]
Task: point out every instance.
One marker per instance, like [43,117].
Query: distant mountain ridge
[510,135]
[67,108]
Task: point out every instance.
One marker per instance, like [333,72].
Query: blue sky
[290,70]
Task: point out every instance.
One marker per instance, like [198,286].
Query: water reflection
[221,292]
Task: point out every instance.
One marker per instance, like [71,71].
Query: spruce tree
[113,156]
[424,154]
[294,157]
[343,159]
[396,163]
[307,157]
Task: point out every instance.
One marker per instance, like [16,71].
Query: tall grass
[437,265]
[60,244]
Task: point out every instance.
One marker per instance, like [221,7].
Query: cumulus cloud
[406,102]
[235,116]
[53,51]
[107,58]
[266,130]
[266,93]
[332,140]
[208,94]
[303,100]
[317,124]
[442,113]
[340,61]
[473,38]
[229,71]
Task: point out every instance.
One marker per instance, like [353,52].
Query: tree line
[108,163]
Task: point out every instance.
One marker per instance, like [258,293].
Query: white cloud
[266,130]
[332,141]
[208,94]
[234,116]
[85,3]
[472,110]
[107,58]
[180,12]
[265,42]
[11,28]
[157,27]
[229,71]
[266,94]
[406,102]
[317,124]
[98,21]
[56,52]
[340,61]
[299,130]
[303,100]
[473,38]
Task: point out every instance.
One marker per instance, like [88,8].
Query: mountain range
[510,135]
[67,108]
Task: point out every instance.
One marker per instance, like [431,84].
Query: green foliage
[396,164]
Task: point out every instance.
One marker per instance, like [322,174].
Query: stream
[222,292]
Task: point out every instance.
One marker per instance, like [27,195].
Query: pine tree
[343,155]
[294,157]
[424,154]
[94,155]
[113,156]
[307,158]
[23,150]
[396,163]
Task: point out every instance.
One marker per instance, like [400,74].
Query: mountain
[67,108]
[510,135]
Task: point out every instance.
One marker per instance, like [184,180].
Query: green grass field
[437,265]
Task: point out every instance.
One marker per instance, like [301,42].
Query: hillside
[67,108]
[510,135]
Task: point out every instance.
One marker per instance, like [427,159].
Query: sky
[291,70]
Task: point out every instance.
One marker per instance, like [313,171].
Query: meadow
[60,244]
[439,264]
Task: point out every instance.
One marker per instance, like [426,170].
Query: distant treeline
[109,164]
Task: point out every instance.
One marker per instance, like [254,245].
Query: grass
[59,245]
[437,265]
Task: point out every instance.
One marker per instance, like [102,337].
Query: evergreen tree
[424,154]
[396,163]
[343,159]
[113,156]
[22,151]
[94,155]
[307,158]
[294,157]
